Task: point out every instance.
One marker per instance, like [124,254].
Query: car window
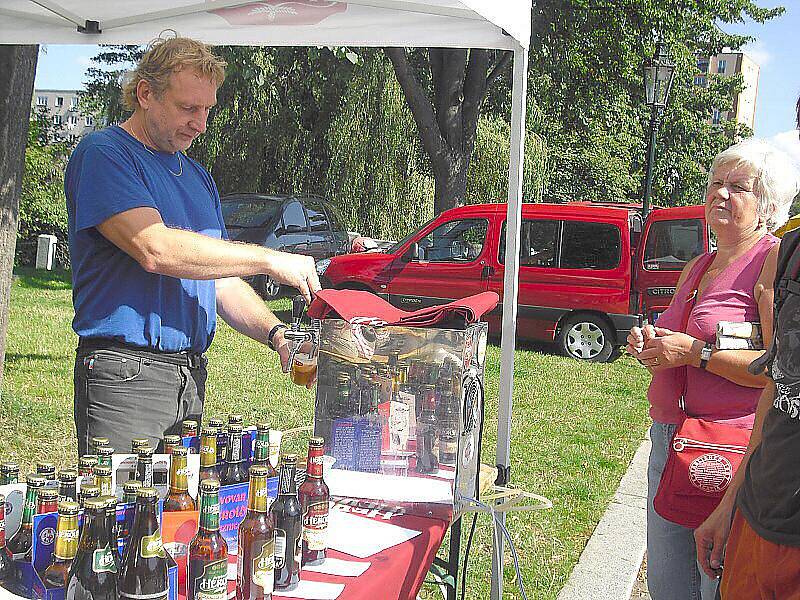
[587,245]
[244,215]
[538,241]
[397,245]
[335,218]
[294,218]
[317,218]
[671,244]
[454,241]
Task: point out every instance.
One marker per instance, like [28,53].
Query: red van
[587,270]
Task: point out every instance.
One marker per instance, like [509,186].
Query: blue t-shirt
[114,297]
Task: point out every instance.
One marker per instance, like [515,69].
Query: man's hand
[283,347]
[710,539]
[297,271]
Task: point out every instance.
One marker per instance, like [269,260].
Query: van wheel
[267,288]
[585,337]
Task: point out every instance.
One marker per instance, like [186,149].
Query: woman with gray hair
[750,188]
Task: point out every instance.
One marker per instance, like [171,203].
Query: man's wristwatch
[705,354]
[272,333]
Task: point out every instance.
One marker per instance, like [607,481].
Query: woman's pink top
[728,297]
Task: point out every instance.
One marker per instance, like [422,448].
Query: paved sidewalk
[609,565]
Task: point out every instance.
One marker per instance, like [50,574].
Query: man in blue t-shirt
[152,266]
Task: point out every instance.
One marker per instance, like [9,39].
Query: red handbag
[702,458]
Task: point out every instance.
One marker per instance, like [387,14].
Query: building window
[73,138]
[41,100]
[700,80]
[702,65]
[89,121]
[57,120]
[721,66]
[73,103]
[59,100]
[72,120]
[716,117]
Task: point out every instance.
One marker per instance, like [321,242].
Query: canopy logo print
[281,12]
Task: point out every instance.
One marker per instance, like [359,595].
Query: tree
[17,72]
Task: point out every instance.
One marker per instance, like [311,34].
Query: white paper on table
[389,488]
[337,566]
[363,537]
[313,590]
[441,473]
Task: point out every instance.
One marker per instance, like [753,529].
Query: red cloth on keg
[363,306]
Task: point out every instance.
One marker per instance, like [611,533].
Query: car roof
[588,209]
[254,197]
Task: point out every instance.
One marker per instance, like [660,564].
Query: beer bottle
[46,470]
[93,575]
[261,457]
[247,439]
[9,473]
[102,478]
[222,442]
[104,454]
[129,490]
[97,442]
[111,525]
[235,420]
[314,496]
[144,466]
[208,552]
[143,573]
[67,485]
[6,566]
[208,455]
[189,429]
[47,501]
[21,542]
[89,491]
[137,443]
[426,432]
[86,466]
[178,498]
[235,467]
[447,418]
[56,575]
[171,442]
[288,519]
[256,560]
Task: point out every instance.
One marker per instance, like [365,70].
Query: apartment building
[62,107]
[728,64]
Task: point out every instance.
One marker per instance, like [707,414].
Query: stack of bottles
[97,555]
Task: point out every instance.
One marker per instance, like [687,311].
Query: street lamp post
[658,74]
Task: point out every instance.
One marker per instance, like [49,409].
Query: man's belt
[192,360]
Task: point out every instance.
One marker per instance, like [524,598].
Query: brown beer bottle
[314,496]
[208,455]
[46,470]
[171,442]
[9,473]
[178,498]
[67,485]
[6,566]
[189,429]
[55,576]
[261,456]
[208,553]
[143,573]
[21,543]
[47,501]
[97,442]
[102,478]
[137,443]
[255,576]
[93,575]
[288,519]
[86,466]
[144,466]
[111,525]
[87,492]
[222,441]
[235,471]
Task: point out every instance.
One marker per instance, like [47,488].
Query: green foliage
[42,206]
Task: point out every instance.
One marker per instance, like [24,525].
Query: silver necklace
[180,161]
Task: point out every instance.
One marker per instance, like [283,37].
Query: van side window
[587,245]
[537,243]
[671,244]
[455,241]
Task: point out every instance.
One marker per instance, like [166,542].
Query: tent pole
[510,287]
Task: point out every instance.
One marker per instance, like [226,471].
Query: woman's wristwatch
[705,354]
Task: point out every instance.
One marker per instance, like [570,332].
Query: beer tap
[296,333]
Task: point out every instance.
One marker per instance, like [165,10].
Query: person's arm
[141,233]
[712,535]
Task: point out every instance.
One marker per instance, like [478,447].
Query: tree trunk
[17,72]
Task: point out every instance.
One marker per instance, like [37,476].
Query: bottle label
[315,464]
[67,541]
[315,526]
[208,452]
[152,546]
[262,449]
[212,583]
[103,561]
[280,548]
[264,567]
[235,450]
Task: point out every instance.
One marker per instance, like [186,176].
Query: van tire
[586,337]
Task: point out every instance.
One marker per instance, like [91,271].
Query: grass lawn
[576,426]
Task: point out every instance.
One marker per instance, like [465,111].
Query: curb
[610,562]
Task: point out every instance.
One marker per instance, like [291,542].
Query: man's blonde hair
[167,56]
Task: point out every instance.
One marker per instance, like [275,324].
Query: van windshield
[243,214]
[397,245]
[671,244]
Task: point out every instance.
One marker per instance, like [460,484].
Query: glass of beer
[304,368]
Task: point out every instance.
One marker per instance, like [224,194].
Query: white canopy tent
[501,24]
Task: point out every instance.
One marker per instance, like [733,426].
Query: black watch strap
[272,332]
[705,354]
